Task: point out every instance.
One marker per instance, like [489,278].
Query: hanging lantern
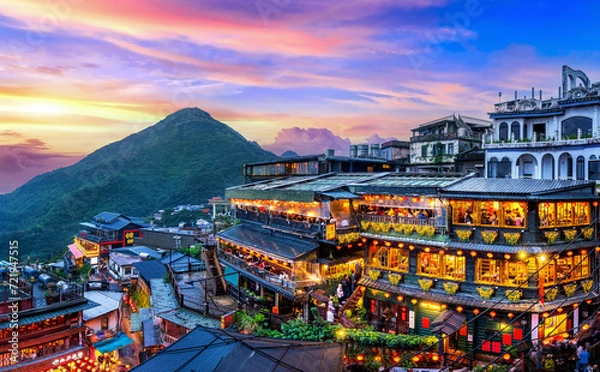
[414,301]
[490,255]
[460,253]
[338,247]
[441,252]
[396,359]
[473,253]
[400,245]
[492,313]
[510,315]
[386,295]
[459,309]
[507,256]
[475,311]
[411,247]
[435,357]
[388,244]
[400,298]
[427,249]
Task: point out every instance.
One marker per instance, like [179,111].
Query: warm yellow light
[585,327]
[435,357]
[459,309]
[396,359]
[341,333]
[360,357]
[416,358]
[427,249]
[543,258]
[490,255]
[506,356]
[441,252]
[475,311]
[473,253]
[399,298]
[522,255]
[565,335]
[510,315]
[414,301]
[377,358]
[507,256]
[460,253]
[386,295]
[492,313]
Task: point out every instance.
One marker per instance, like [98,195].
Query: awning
[26,320]
[337,195]
[229,275]
[114,343]
[75,251]
[448,322]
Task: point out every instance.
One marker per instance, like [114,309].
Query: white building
[556,138]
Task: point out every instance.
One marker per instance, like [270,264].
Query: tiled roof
[189,319]
[473,300]
[512,249]
[271,243]
[448,322]
[152,269]
[139,250]
[212,350]
[163,297]
[25,320]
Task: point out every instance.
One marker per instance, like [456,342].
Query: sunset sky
[290,74]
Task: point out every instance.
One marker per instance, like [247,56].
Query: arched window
[548,167]
[572,125]
[515,130]
[492,168]
[499,169]
[593,168]
[503,132]
[580,168]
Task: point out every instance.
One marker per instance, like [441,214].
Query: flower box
[570,289]
[551,294]
[425,230]
[570,235]
[588,233]
[485,292]
[451,287]
[364,225]
[394,278]
[551,236]
[374,274]
[426,284]
[464,235]
[489,236]
[513,294]
[407,228]
[512,238]
[587,285]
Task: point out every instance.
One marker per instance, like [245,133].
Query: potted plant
[570,235]
[485,292]
[374,274]
[426,284]
[587,285]
[407,228]
[551,294]
[394,278]
[464,235]
[425,230]
[451,287]
[570,289]
[551,236]
[489,236]
[513,294]
[588,233]
[512,238]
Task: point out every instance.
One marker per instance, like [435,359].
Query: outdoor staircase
[214,274]
[350,304]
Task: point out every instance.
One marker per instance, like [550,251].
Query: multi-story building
[554,138]
[482,263]
[513,261]
[106,231]
[295,233]
[435,144]
[48,324]
[314,164]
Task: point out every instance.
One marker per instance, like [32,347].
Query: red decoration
[463,331]
[506,339]
[518,334]
[426,322]
[486,346]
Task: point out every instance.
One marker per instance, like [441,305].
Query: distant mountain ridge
[187,157]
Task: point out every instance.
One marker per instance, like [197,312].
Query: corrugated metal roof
[113,343]
[512,186]
[25,320]
[109,301]
[163,297]
[152,269]
[213,350]
[189,319]
[271,243]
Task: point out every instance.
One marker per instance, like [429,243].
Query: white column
[576,320]
[535,320]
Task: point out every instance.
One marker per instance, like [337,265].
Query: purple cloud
[308,141]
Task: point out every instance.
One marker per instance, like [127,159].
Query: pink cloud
[21,162]
[308,141]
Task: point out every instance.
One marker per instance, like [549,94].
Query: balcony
[269,276]
[404,228]
[530,144]
[446,136]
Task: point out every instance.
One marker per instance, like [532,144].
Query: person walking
[584,359]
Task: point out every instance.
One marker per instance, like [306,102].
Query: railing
[264,274]
[166,338]
[430,221]
[446,136]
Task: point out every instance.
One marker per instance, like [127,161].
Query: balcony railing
[446,136]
